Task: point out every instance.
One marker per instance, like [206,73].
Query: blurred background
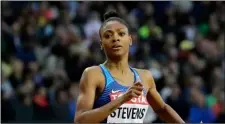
[45,46]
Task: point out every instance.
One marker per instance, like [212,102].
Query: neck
[120,65]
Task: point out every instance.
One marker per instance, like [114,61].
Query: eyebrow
[109,30]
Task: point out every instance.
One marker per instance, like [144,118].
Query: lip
[116,46]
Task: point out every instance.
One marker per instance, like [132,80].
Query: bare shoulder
[144,73]
[92,70]
[92,74]
[146,77]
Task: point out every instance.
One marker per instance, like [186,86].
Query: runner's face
[115,39]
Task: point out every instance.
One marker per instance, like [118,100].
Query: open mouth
[116,47]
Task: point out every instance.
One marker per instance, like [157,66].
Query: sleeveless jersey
[133,111]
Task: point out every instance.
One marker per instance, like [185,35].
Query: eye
[107,36]
[122,33]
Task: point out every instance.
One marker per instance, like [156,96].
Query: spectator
[199,111]
[73,93]
[60,107]
[24,109]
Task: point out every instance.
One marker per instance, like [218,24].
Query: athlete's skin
[92,82]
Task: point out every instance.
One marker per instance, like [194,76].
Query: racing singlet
[133,111]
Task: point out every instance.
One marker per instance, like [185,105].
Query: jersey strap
[137,77]
[108,78]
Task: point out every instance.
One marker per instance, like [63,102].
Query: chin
[117,54]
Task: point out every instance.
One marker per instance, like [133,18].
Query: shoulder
[146,77]
[146,74]
[92,70]
[92,74]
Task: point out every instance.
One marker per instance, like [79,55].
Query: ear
[131,41]
[101,46]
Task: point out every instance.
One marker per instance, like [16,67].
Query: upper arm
[153,96]
[87,90]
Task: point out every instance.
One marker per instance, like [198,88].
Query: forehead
[113,25]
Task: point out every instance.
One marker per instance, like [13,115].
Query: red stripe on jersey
[140,100]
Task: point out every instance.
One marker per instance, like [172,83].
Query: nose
[115,38]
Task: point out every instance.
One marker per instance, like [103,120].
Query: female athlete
[113,92]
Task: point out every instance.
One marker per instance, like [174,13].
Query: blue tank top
[132,111]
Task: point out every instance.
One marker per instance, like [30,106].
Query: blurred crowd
[45,46]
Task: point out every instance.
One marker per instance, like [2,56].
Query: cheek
[106,44]
[126,42]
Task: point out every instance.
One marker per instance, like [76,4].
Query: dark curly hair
[112,15]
